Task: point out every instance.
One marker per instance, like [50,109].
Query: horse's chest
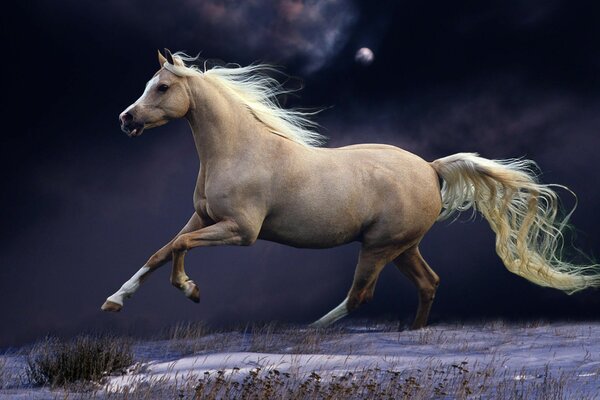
[201,203]
[209,204]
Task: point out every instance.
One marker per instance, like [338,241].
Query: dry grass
[87,358]
[187,330]
[194,337]
[290,339]
[11,376]
[4,379]
[456,381]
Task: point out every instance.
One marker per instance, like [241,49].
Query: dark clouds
[504,118]
[308,33]
[84,206]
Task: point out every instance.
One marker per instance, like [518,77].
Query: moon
[364,56]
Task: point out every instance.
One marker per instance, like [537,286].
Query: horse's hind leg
[370,265]
[412,264]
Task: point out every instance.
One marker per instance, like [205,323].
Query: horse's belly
[308,232]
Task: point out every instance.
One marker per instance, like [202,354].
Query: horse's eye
[163,88]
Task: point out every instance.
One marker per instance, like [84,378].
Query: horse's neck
[222,128]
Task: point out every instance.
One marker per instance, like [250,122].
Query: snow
[508,352]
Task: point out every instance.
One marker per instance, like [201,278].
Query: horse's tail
[522,213]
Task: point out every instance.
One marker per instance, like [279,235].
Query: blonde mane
[258,92]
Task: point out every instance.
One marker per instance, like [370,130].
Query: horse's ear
[161,59]
[173,60]
[169,56]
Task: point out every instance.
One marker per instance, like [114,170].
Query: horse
[263,175]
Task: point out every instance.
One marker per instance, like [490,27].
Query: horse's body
[261,180]
[322,198]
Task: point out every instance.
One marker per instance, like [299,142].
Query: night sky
[84,206]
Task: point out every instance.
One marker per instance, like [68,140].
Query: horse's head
[166,97]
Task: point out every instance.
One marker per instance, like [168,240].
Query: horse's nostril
[125,118]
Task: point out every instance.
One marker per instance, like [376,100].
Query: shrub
[85,358]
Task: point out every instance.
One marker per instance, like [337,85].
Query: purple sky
[83,206]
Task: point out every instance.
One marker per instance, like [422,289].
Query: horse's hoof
[192,292]
[111,306]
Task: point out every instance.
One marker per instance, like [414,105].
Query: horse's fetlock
[176,283]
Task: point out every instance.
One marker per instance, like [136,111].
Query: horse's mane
[258,92]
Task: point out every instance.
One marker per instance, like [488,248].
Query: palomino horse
[263,176]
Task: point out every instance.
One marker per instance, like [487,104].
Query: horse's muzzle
[129,125]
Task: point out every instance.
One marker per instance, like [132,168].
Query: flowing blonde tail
[522,213]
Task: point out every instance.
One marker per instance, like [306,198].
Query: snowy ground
[493,360]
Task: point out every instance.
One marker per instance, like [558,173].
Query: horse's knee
[181,243]
[247,239]
[246,235]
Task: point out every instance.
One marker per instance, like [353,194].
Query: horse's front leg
[158,259]
[223,232]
